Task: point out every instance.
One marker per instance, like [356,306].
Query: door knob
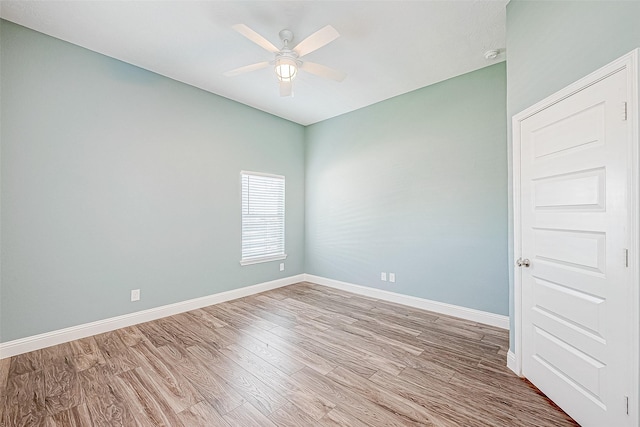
[523,262]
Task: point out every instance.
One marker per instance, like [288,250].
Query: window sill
[261,260]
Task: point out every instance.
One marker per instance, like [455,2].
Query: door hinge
[626,257]
[624,111]
[626,398]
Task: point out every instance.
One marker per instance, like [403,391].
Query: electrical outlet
[282,266]
[392,277]
[383,276]
[135,295]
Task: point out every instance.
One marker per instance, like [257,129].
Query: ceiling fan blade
[323,71]
[286,89]
[246,69]
[316,40]
[255,37]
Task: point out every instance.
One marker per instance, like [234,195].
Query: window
[262,217]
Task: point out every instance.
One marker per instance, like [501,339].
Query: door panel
[577,249]
[581,130]
[582,191]
[575,366]
[574,216]
[587,313]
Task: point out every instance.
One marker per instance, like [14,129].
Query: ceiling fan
[287,60]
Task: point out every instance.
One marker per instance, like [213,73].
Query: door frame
[629,61]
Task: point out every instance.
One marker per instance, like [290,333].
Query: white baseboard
[35,342]
[484,317]
[512,362]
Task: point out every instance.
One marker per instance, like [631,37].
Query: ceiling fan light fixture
[286,68]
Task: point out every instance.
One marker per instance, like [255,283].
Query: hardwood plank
[337,355]
[315,406]
[333,306]
[502,341]
[78,416]
[273,317]
[154,333]
[491,330]
[367,344]
[203,330]
[220,395]
[120,362]
[397,317]
[388,329]
[383,339]
[110,344]
[131,336]
[262,397]
[336,296]
[240,317]
[104,401]
[358,355]
[411,412]
[454,330]
[512,401]
[202,414]
[434,397]
[4,378]
[466,345]
[61,353]
[331,316]
[174,389]
[309,358]
[279,312]
[176,330]
[25,363]
[280,360]
[247,416]
[206,318]
[448,358]
[24,402]
[61,387]
[86,354]
[116,355]
[335,320]
[278,293]
[145,400]
[268,302]
[351,402]
[457,322]
[338,418]
[291,416]
[404,311]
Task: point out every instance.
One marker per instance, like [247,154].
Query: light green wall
[115,178]
[551,44]
[415,185]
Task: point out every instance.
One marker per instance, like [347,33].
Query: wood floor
[303,355]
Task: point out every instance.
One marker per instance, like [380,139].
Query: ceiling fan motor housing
[286,36]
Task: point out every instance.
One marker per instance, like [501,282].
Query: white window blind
[262,217]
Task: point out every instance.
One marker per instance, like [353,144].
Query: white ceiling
[387,48]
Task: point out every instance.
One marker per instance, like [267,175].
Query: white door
[576,288]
